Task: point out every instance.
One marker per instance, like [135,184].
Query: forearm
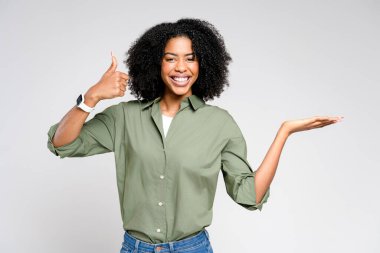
[267,169]
[70,126]
[112,84]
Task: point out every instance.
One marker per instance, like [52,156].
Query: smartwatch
[82,105]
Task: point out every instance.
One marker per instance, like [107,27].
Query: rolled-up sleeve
[238,175]
[96,137]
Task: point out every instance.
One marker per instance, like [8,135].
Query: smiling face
[179,67]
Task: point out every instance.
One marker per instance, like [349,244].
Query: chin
[180,91]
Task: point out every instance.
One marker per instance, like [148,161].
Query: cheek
[165,69]
[162,72]
[195,69]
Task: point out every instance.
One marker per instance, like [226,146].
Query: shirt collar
[195,102]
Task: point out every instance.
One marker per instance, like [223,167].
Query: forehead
[179,45]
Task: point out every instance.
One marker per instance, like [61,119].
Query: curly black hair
[145,55]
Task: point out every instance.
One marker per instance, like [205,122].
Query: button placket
[160,222]
[160,202]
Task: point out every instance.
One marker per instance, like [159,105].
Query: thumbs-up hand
[112,84]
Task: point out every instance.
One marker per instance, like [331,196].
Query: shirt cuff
[264,200]
[258,206]
[250,199]
[62,151]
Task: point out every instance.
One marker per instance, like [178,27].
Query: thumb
[113,66]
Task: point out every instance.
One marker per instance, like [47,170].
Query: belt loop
[136,246]
[171,247]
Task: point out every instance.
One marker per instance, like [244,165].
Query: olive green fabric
[167,185]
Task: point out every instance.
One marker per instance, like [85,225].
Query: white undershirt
[166,120]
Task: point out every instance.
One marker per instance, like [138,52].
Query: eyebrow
[177,54]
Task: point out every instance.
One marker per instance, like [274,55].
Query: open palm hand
[293,126]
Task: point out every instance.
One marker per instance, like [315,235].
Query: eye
[169,59]
[191,59]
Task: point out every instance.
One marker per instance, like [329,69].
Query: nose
[180,66]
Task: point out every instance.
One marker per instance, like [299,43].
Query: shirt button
[162,177]
[160,203]
[158,230]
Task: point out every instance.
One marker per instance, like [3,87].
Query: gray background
[291,59]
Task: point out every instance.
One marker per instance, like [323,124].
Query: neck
[170,103]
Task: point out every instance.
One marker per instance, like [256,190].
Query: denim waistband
[166,247]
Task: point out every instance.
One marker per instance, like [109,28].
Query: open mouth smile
[180,80]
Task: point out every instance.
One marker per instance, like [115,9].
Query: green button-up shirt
[167,185]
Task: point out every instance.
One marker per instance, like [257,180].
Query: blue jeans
[198,243]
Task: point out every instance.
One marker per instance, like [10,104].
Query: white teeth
[180,79]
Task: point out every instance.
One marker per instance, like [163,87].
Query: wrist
[90,99]
[284,131]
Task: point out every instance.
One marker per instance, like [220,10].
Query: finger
[338,119]
[122,75]
[113,66]
[320,118]
[319,124]
[122,88]
[327,121]
[322,125]
[122,81]
[323,120]
[121,93]
[326,118]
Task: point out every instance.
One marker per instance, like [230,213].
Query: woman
[169,144]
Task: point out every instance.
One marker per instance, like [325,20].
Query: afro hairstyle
[145,55]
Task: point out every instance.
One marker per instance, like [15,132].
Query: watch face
[79,99]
